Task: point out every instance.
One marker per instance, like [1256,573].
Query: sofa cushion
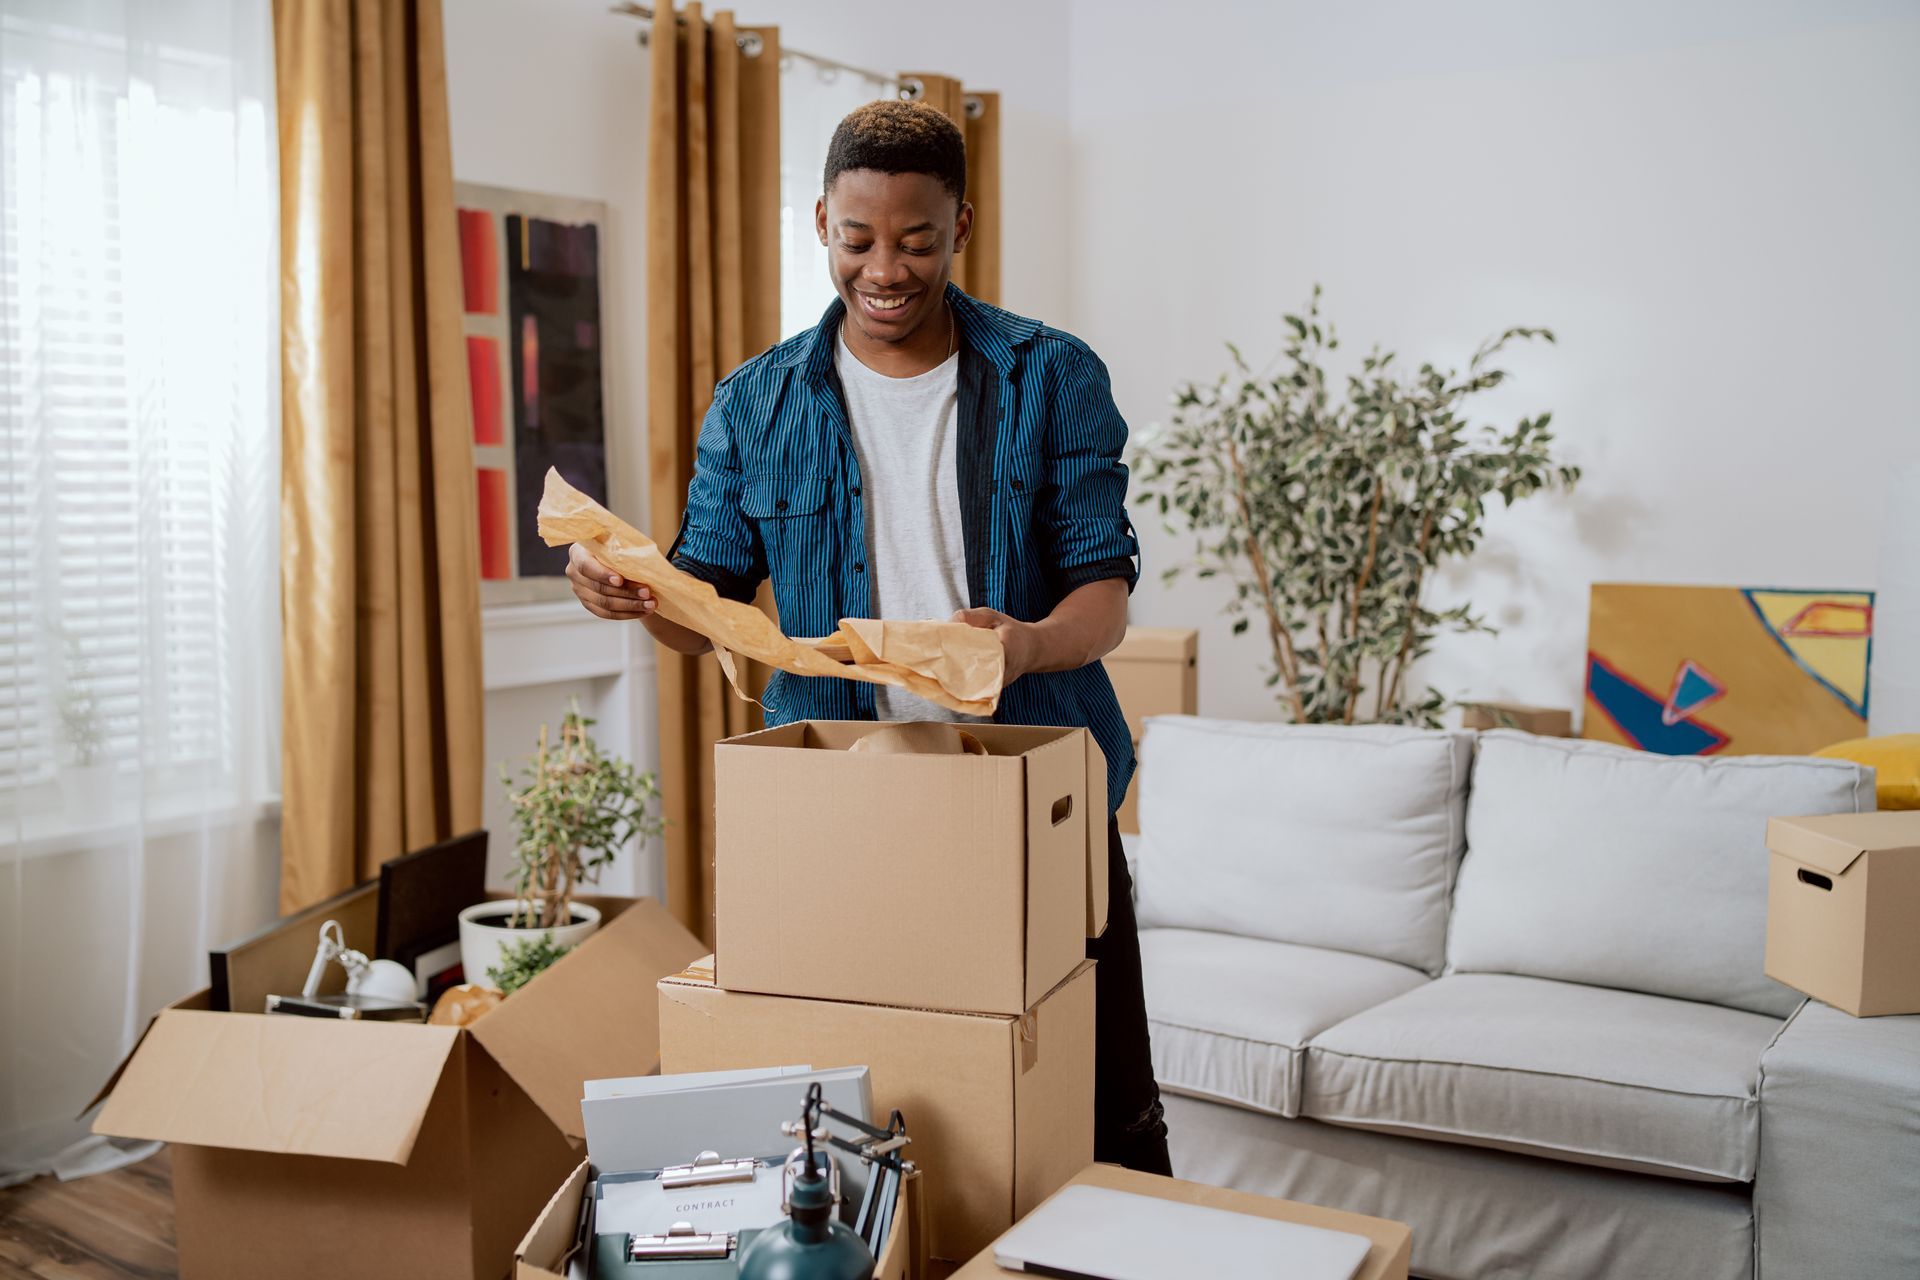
[1231,1016]
[1594,863]
[1325,836]
[1585,1074]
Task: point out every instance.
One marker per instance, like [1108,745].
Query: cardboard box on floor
[1000,1108]
[943,856]
[1155,672]
[542,1254]
[1388,1259]
[1547,722]
[311,1147]
[1843,909]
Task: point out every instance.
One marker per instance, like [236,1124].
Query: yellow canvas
[1727,670]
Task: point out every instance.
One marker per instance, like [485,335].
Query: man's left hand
[1017,639]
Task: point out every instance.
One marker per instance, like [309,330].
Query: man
[919,454]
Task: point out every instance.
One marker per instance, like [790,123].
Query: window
[138,416]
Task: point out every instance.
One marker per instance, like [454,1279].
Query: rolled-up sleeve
[717,543]
[1084,506]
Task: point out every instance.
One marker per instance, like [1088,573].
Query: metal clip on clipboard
[680,1242]
[708,1169]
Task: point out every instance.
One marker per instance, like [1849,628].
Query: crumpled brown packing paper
[949,663]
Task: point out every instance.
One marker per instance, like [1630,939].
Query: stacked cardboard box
[923,915]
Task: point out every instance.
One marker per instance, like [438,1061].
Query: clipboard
[689,1220]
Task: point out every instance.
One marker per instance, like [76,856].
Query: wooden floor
[106,1227]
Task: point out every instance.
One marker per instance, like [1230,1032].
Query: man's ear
[962,226]
[820,217]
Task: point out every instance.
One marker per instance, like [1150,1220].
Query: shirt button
[1019,485]
[780,504]
[860,568]
[856,491]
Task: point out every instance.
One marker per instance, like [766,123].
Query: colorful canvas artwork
[1727,670]
[530,273]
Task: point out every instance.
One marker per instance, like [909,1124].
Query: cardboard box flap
[201,999]
[299,1086]
[593,1015]
[1098,816]
[1830,843]
[543,1250]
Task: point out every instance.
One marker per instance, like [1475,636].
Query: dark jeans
[1128,1126]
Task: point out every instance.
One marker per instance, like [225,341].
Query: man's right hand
[605,593]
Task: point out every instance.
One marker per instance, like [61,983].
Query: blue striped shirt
[776,493]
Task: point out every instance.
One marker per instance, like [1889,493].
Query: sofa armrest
[1839,1172]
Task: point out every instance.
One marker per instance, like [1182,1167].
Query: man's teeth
[885,304]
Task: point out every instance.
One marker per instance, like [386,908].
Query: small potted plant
[575,809]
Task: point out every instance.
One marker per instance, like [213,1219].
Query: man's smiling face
[890,241]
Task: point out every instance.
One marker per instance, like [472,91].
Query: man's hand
[605,593]
[1017,638]
[1082,628]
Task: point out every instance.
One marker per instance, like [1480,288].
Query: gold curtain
[977,270]
[380,576]
[713,300]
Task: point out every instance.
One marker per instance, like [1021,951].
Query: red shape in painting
[530,372]
[479,262]
[483,385]
[495,563]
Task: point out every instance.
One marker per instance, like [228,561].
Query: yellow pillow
[1895,759]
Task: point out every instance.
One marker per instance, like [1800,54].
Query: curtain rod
[910,88]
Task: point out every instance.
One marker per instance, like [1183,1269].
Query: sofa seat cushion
[1585,1074]
[1231,1016]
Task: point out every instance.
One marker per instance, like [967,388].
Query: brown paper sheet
[948,663]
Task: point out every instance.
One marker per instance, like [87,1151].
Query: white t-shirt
[903,435]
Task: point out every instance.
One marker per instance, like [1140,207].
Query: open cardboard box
[1843,909]
[312,1147]
[542,1254]
[1387,1259]
[999,1108]
[975,870]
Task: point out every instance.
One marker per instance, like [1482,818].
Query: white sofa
[1508,990]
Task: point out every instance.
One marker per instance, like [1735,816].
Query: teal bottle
[812,1244]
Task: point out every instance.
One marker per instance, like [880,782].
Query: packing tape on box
[948,663]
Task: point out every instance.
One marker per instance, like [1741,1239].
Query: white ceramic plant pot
[484,931]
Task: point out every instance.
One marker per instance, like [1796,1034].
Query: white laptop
[1093,1233]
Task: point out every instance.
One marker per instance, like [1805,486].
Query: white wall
[1714,204]
[551,97]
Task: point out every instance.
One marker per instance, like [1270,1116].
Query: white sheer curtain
[139,609]
[813,99]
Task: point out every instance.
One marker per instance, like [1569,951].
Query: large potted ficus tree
[575,809]
[1330,514]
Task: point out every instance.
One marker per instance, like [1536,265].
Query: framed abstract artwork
[530,268]
[1727,670]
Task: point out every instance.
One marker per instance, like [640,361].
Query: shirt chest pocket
[790,514]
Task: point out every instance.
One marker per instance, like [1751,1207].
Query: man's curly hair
[900,137]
